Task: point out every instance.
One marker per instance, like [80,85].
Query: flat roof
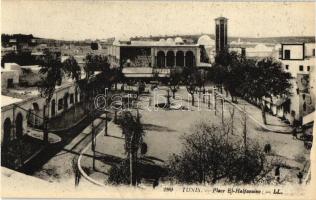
[6,100]
[152,43]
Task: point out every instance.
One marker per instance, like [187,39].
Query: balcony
[145,72]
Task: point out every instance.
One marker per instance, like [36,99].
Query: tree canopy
[208,157]
[250,78]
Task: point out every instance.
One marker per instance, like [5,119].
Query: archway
[180,59]
[6,131]
[66,101]
[161,59]
[53,107]
[36,107]
[170,59]
[189,59]
[19,126]
[76,96]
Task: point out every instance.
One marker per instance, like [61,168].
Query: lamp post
[106,123]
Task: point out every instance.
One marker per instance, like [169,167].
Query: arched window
[76,96]
[6,131]
[19,126]
[53,107]
[66,100]
[189,59]
[180,59]
[170,59]
[160,59]
[36,107]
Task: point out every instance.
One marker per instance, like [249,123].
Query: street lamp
[106,122]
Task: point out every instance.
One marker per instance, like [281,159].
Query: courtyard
[165,128]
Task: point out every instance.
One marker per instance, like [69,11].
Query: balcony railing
[161,71]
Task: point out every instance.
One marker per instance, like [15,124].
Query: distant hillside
[23,38]
[31,40]
[195,37]
[293,39]
[20,38]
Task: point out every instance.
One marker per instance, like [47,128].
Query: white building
[18,114]
[253,50]
[144,59]
[299,61]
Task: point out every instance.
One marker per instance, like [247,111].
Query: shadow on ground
[153,127]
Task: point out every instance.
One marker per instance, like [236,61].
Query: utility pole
[209,101]
[131,160]
[222,101]
[245,128]
[214,94]
[93,142]
[106,123]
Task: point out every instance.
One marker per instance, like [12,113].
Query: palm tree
[52,69]
[72,70]
[133,131]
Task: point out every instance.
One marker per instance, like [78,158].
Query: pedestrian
[277,171]
[76,172]
[267,148]
[78,176]
[294,134]
[300,177]
[156,183]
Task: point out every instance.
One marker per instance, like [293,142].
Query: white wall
[309,49]
[296,51]
[7,111]
[5,75]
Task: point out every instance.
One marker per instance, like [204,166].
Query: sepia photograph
[157,99]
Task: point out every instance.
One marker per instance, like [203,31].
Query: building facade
[147,59]
[18,115]
[299,61]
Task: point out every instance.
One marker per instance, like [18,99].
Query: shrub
[209,155]
[119,174]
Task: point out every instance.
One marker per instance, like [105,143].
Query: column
[175,60]
[165,64]
[153,58]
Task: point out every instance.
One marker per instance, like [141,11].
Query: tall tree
[52,69]
[133,131]
[266,79]
[228,72]
[174,81]
[72,70]
[191,80]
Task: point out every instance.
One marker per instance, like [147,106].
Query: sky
[97,19]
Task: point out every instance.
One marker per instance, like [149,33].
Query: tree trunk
[115,116]
[131,168]
[215,104]
[263,112]
[192,95]
[45,132]
[93,143]
[222,101]
[168,99]
[106,124]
